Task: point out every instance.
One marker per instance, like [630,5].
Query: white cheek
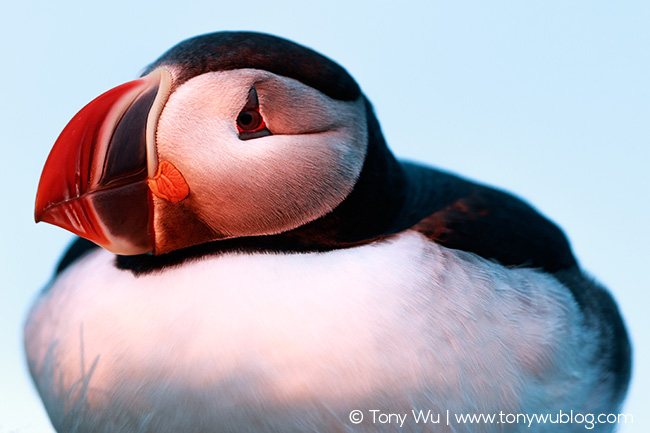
[269,184]
[279,182]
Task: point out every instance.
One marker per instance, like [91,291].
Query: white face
[265,185]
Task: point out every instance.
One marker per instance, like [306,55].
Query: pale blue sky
[548,99]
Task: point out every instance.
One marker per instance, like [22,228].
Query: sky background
[546,99]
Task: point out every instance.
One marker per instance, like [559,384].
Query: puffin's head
[226,135]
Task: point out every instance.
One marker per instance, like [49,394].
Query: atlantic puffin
[253,258]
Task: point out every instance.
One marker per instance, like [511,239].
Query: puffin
[251,257]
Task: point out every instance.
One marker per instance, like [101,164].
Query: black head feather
[223,51]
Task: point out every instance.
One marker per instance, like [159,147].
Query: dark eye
[250,123]
[249,120]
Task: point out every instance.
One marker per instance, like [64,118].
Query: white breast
[276,342]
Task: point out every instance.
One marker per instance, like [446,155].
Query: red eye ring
[250,121]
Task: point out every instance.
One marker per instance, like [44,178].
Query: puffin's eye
[250,122]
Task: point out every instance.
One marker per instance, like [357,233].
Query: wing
[485,221]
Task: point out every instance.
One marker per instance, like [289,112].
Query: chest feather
[274,340]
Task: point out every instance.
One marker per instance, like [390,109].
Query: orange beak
[98,179]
